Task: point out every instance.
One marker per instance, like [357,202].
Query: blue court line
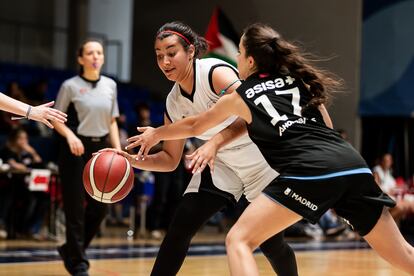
[22,255]
[330,175]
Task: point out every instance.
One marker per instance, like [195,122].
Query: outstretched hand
[44,113]
[203,156]
[129,157]
[145,141]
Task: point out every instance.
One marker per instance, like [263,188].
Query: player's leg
[95,211]
[280,255]
[73,195]
[250,231]
[193,211]
[386,239]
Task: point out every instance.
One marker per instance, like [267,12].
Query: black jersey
[291,137]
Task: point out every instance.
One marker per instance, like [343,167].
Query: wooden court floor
[311,260]
[315,263]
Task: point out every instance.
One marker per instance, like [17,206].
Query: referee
[90,100]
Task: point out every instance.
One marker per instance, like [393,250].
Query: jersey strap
[225,89]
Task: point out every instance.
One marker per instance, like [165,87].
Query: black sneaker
[66,261]
[80,269]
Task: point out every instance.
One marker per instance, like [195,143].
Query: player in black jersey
[197,85]
[318,169]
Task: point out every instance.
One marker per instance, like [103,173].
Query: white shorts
[237,170]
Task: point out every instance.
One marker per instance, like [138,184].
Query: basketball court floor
[117,256]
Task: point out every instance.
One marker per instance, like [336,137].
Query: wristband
[21,117]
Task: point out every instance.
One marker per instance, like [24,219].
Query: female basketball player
[90,100]
[239,167]
[318,169]
[42,113]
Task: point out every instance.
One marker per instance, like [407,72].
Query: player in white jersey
[239,168]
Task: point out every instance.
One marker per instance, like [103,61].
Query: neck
[186,83]
[91,75]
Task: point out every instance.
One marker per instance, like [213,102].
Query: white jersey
[181,105]
[239,166]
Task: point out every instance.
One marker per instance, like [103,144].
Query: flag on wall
[222,37]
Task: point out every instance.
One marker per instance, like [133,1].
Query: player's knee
[235,239]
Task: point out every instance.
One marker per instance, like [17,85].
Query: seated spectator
[29,208]
[383,175]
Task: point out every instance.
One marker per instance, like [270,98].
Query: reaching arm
[192,126]
[163,161]
[206,154]
[42,113]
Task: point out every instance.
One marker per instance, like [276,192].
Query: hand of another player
[145,141]
[131,158]
[203,156]
[75,145]
[44,113]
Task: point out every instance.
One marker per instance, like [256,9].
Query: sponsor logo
[287,124]
[305,202]
[268,85]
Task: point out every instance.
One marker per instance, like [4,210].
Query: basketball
[108,177]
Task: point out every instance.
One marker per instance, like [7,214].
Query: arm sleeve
[64,97]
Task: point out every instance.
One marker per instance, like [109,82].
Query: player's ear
[191,51]
[251,62]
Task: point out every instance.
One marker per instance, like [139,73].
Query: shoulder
[208,65]
[108,80]
[71,82]
[173,95]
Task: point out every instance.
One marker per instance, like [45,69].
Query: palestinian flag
[222,38]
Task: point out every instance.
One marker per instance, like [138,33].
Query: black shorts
[356,197]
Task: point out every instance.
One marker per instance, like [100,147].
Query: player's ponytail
[186,37]
[273,54]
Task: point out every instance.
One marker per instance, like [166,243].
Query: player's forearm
[14,106]
[114,135]
[160,162]
[188,127]
[229,134]
[62,129]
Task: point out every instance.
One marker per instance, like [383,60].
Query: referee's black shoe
[80,269]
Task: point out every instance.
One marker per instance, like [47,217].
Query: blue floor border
[21,255]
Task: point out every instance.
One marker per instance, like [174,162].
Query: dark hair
[272,54]
[199,42]
[81,48]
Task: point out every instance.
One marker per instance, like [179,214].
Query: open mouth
[168,71]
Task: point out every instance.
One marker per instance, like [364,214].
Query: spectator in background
[383,176]
[31,207]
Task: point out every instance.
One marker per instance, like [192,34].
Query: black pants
[194,210]
[82,220]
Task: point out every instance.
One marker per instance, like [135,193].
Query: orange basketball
[108,177]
